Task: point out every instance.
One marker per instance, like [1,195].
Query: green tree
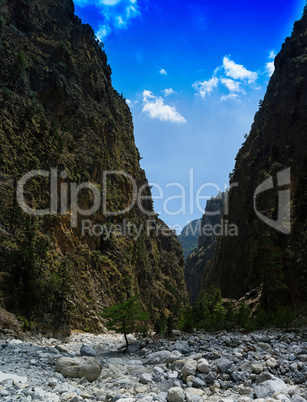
[209,308]
[127,317]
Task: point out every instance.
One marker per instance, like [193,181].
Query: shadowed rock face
[196,263]
[278,140]
[59,110]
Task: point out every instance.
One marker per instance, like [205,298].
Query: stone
[297,398]
[264,377]
[189,368]
[209,378]
[84,366]
[298,377]
[198,383]
[87,351]
[243,390]
[10,376]
[134,347]
[141,389]
[145,378]
[269,387]
[182,347]
[263,346]
[163,356]
[224,364]
[257,368]
[178,365]
[71,397]
[272,363]
[175,394]
[203,366]
[15,342]
[192,397]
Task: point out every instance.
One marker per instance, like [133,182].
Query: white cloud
[230,97]
[103,31]
[270,68]
[155,108]
[238,71]
[115,13]
[205,87]
[233,86]
[272,54]
[163,72]
[168,92]
[130,103]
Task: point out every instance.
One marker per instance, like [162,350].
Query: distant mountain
[189,237]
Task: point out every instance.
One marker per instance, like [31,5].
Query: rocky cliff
[277,141]
[210,228]
[59,111]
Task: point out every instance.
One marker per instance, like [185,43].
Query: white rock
[164,356]
[10,376]
[243,390]
[14,342]
[193,398]
[145,378]
[189,368]
[269,387]
[79,367]
[272,363]
[257,368]
[175,394]
[203,366]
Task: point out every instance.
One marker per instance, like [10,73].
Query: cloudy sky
[193,73]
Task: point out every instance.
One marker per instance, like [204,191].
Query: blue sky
[193,73]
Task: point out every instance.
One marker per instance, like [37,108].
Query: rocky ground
[262,366]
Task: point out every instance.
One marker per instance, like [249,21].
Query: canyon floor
[261,366]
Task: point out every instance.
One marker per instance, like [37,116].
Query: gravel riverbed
[228,367]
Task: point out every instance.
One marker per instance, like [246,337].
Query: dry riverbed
[228,367]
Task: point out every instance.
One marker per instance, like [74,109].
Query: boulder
[269,387]
[164,356]
[224,364]
[189,368]
[203,366]
[182,347]
[257,368]
[145,378]
[86,350]
[175,394]
[79,367]
[134,347]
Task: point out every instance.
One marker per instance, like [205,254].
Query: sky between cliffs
[193,73]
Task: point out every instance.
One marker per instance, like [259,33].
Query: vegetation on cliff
[262,255]
[59,111]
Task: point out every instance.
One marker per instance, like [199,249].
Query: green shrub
[127,317]
[21,63]
[187,319]
[284,317]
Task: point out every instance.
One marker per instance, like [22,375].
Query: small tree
[127,317]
